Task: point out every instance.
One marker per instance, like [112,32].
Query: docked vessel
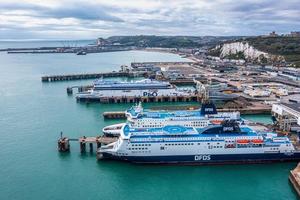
[138,117]
[81,53]
[229,142]
[142,88]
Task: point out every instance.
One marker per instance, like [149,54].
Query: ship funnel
[231,126]
[208,109]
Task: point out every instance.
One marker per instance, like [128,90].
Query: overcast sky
[78,19]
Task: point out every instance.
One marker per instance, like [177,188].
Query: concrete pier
[64,143]
[69,77]
[294,178]
[143,99]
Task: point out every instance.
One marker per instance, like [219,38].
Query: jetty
[63,143]
[69,77]
[294,178]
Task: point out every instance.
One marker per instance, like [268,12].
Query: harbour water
[32,114]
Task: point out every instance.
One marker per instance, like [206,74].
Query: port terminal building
[287,116]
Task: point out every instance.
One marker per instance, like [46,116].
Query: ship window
[162,148]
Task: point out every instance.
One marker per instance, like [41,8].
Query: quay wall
[295,179]
[143,99]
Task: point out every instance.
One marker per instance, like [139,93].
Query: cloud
[77,11]
[101,18]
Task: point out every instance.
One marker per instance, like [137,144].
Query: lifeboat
[216,121]
[242,141]
[257,141]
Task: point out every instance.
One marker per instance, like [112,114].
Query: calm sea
[32,114]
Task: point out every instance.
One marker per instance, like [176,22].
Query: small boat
[81,53]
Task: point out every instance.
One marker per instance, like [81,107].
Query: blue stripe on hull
[133,88]
[208,159]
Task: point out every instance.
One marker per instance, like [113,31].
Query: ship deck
[162,114]
[170,131]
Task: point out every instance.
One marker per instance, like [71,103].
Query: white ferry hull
[133,93]
[208,159]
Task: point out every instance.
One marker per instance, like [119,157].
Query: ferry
[227,143]
[101,84]
[141,88]
[138,117]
